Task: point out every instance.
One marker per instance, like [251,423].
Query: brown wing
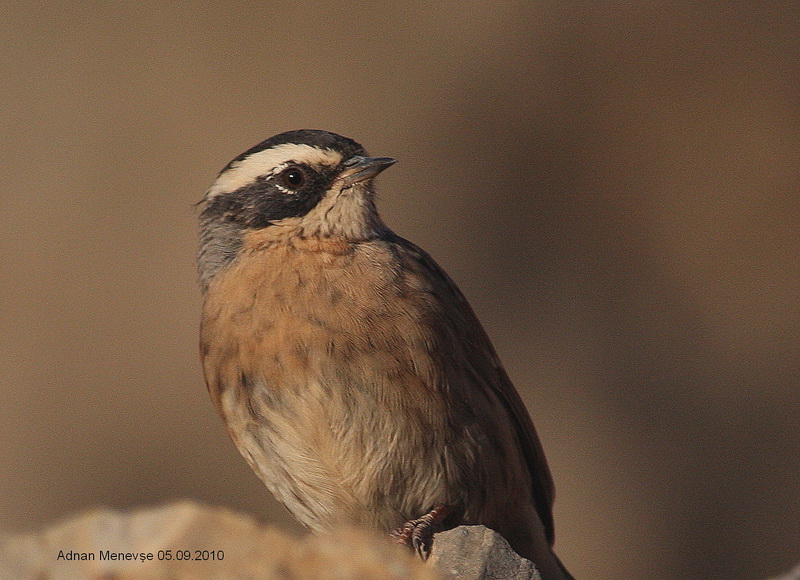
[485,355]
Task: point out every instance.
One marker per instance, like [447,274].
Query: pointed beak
[359,168]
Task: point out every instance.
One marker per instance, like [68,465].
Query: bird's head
[305,183]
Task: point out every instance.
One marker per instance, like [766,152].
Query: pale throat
[347,213]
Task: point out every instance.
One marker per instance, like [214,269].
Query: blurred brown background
[613,185]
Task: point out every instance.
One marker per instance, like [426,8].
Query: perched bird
[349,369]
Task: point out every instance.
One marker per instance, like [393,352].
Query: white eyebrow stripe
[264,162]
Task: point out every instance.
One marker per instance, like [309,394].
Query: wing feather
[485,360]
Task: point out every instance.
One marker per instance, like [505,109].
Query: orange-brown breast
[359,386]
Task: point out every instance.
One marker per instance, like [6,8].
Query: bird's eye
[292,177]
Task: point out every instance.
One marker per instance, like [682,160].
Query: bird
[349,369]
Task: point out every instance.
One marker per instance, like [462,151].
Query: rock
[478,553]
[186,540]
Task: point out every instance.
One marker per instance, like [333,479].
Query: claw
[418,534]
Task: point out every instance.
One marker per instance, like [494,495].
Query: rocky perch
[187,540]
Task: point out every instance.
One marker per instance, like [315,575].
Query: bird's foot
[418,534]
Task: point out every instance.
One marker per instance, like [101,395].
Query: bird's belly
[335,450]
[343,403]
[339,429]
